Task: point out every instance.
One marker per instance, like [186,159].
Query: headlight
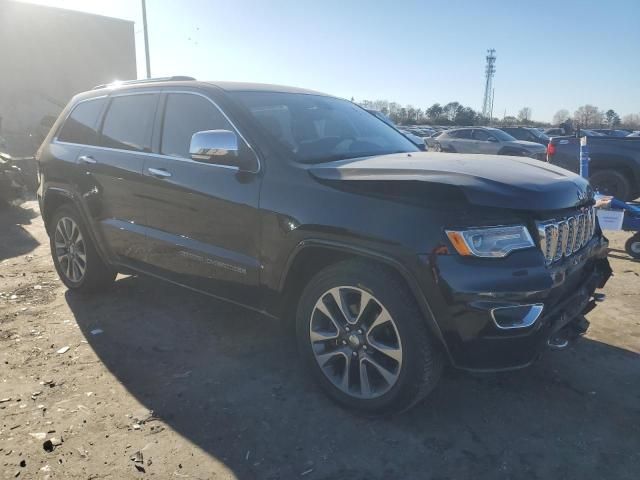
[491,241]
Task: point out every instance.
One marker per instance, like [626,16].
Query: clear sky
[551,54]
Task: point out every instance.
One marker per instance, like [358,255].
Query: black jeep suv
[393,262]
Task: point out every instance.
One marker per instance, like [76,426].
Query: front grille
[562,238]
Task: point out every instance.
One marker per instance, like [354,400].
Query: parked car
[488,141]
[634,134]
[584,132]
[413,138]
[615,163]
[612,132]
[390,262]
[527,134]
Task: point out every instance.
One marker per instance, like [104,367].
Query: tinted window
[481,135]
[517,133]
[129,122]
[460,134]
[315,128]
[185,115]
[500,135]
[82,125]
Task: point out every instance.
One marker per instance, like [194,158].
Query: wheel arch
[53,198]
[310,256]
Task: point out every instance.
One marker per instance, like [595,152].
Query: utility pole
[493,94]
[146,37]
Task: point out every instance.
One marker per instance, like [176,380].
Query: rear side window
[129,122]
[461,134]
[184,115]
[82,125]
[518,133]
[481,135]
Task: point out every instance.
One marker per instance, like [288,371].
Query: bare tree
[588,116]
[451,109]
[631,121]
[524,115]
[434,112]
[561,116]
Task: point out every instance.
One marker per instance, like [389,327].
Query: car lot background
[207,390]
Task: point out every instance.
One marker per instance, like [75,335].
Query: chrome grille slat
[566,236]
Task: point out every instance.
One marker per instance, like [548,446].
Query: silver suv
[488,141]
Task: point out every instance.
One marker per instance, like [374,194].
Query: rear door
[113,172]
[203,223]
[59,162]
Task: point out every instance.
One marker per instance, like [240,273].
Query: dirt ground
[202,389]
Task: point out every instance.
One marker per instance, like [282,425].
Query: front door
[202,218]
[482,143]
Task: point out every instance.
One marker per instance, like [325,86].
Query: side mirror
[493,139]
[214,146]
[220,147]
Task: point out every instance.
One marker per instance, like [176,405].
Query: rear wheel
[365,340]
[76,260]
[611,182]
[632,246]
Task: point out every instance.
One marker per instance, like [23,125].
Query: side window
[519,134]
[464,134]
[82,125]
[129,122]
[184,115]
[480,135]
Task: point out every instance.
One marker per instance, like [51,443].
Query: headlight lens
[491,241]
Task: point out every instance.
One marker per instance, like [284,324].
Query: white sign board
[610,219]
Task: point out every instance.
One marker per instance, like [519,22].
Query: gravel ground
[148,380]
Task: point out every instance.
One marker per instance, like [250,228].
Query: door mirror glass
[214,146]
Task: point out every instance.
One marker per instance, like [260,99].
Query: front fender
[376,256]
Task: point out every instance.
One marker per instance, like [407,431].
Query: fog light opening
[519,316]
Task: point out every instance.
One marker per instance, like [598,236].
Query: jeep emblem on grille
[582,196]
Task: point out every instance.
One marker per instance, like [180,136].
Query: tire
[632,246]
[437,147]
[413,359]
[611,182]
[67,253]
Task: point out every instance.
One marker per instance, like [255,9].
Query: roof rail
[174,78]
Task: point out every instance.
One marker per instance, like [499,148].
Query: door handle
[87,159]
[159,172]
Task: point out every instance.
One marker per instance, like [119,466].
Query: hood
[525,144]
[489,180]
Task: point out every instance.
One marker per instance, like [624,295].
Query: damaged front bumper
[502,317]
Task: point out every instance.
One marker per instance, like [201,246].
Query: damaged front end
[568,318]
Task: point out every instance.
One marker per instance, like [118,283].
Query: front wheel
[632,246]
[365,340]
[77,262]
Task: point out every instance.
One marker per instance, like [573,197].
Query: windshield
[538,134]
[315,128]
[500,135]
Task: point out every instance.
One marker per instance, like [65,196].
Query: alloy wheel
[70,249]
[355,341]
